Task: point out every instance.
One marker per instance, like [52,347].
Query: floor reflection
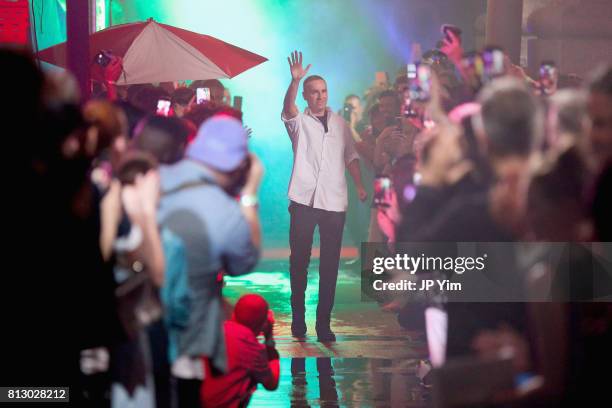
[344,382]
[328,396]
[371,365]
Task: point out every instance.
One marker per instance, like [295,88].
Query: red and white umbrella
[154,52]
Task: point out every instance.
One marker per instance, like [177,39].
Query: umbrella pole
[77,44]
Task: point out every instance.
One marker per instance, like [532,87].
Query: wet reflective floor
[372,363]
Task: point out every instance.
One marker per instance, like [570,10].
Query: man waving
[322,149]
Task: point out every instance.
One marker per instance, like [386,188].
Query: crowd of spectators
[130,217]
[493,155]
[127,220]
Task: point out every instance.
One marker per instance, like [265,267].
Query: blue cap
[221,143]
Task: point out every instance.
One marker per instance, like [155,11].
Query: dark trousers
[304,219]
[187,393]
[158,345]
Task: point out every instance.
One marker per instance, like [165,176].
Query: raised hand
[295,65]
[113,70]
[254,176]
[452,47]
[148,187]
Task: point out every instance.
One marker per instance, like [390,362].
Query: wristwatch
[249,200]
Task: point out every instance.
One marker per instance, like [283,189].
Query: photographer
[367,144]
[219,233]
[181,99]
[106,70]
[352,112]
[249,361]
[395,141]
[217,90]
[389,104]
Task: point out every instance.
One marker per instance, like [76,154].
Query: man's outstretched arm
[290,110]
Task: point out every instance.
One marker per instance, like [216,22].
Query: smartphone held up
[202,95]
[163,107]
[382,189]
[347,111]
[493,64]
[103,58]
[419,82]
[549,76]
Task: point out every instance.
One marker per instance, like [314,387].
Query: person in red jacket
[249,361]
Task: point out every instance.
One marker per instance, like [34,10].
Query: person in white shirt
[322,148]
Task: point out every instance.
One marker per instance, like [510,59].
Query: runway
[372,364]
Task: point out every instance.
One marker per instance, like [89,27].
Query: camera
[202,95]
[347,111]
[419,82]
[103,58]
[163,107]
[493,63]
[473,66]
[407,109]
[549,76]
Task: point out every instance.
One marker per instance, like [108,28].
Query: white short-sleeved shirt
[319,160]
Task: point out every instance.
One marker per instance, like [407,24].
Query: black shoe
[298,329]
[326,336]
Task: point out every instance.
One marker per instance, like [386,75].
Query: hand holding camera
[149,188]
[419,82]
[113,70]
[268,327]
[163,107]
[549,77]
[388,214]
[347,112]
[254,176]
[140,199]
[111,65]
[451,44]
[202,95]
